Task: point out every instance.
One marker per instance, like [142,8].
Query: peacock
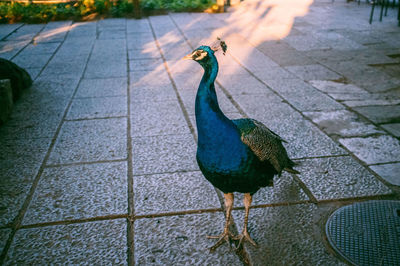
[240,155]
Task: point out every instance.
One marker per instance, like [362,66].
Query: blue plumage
[234,155]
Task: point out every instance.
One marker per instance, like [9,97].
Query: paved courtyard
[97,163]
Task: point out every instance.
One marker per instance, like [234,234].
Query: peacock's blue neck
[208,114]
[216,133]
[210,71]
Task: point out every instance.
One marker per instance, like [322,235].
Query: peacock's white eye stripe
[199,54]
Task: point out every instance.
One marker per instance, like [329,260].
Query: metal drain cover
[367,233]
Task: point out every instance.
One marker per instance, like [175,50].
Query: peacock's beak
[187,57]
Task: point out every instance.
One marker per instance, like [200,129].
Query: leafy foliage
[13,11]
[176,5]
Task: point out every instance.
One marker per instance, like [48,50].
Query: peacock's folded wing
[265,144]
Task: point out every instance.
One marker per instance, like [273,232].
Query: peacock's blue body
[228,163]
[239,155]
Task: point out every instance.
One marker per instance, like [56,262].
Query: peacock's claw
[244,236]
[226,236]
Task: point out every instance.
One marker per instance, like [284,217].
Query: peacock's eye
[198,53]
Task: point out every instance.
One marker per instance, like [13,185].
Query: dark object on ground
[6,101]
[240,155]
[366,233]
[20,79]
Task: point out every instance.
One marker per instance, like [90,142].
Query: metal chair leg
[398,15]
[382,7]
[372,12]
[386,8]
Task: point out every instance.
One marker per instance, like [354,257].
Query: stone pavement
[98,165]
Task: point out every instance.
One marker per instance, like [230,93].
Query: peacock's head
[204,53]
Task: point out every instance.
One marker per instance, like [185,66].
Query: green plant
[13,11]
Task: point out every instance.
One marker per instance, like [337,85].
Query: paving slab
[179,66]
[227,71]
[380,114]
[40,48]
[303,96]
[112,34]
[4,234]
[254,60]
[336,40]
[106,67]
[58,24]
[325,57]
[20,160]
[102,87]
[157,118]
[54,87]
[8,29]
[161,154]
[174,192]
[34,72]
[292,227]
[82,29]
[36,127]
[109,47]
[45,112]
[100,242]
[389,172]
[374,150]
[331,87]
[273,73]
[144,44]
[32,61]
[143,54]
[393,128]
[152,94]
[312,72]
[187,81]
[357,103]
[344,97]
[342,123]
[137,26]
[10,48]
[98,107]
[112,22]
[285,55]
[155,77]
[53,33]
[79,192]
[176,52]
[90,141]
[26,32]
[62,65]
[305,43]
[16,181]
[76,46]
[181,239]
[339,178]
[144,64]
[243,85]
[390,69]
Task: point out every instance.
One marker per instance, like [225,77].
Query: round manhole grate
[367,233]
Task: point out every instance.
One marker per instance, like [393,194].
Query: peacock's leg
[226,235]
[244,236]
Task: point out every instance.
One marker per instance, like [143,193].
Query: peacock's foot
[244,236]
[226,236]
